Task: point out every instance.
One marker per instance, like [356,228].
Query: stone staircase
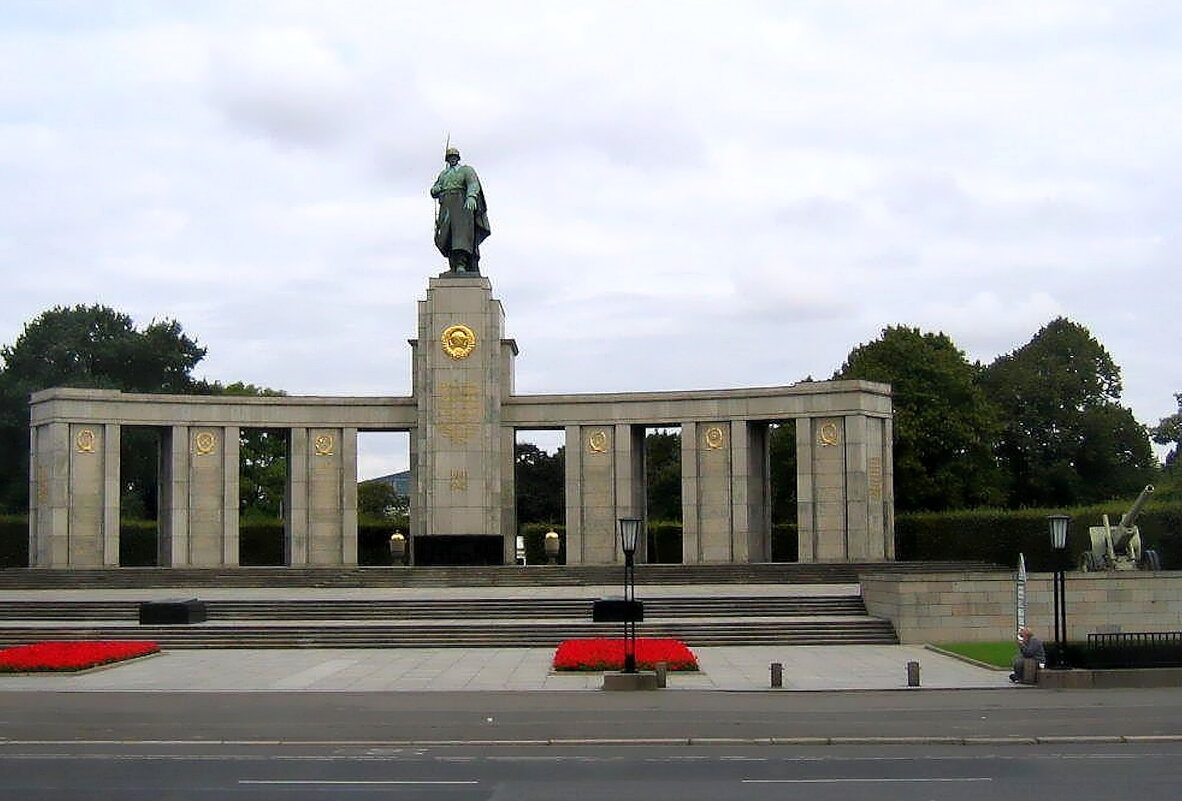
[429,618]
[490,576]
[441,623]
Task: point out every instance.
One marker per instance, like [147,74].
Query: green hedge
[14,541]
[999,536]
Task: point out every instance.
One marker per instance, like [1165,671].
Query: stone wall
[973,607]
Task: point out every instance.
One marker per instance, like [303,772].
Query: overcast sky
[682,195]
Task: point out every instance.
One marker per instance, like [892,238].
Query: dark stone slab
[174,611]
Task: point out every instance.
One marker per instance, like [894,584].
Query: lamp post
[1058,525]
[629,530]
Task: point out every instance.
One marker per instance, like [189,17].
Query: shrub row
[996,536]
[999,536]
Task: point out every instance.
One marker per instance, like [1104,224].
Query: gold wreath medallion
[204,443]
[597,442]
[85,441]
[827,434]
[323,444]
[458,341]
[714,438]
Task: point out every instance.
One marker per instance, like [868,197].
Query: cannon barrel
[1130,516]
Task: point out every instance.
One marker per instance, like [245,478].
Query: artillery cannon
[1119,547]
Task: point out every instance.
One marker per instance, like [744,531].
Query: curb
[1113,739]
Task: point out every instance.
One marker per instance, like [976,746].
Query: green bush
[14,541]
[137,543]
[261,542]
[998,536]
[534,535]
[784,542]
[664,542]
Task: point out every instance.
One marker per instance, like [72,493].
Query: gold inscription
[827,434]
[204,443]
[874,476]
[714,438]
[458,341]
[85,441]
[457,410]
[458,481]
[323,443]
[597,442]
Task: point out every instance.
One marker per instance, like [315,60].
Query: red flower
[608,654]
[70,655]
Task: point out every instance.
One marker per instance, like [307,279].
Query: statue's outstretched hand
[470,204]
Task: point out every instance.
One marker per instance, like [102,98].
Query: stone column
[630,489]
[324,467]
[821,489]
[751,491]
[295,515]
[213,496]
[595,495]
[172,543]
[573,492]
[49,499]
[708,502]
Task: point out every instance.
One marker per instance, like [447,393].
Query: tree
[1168,431]
[378,500]
[943,423]
[83,346]
[1065,440]
[541,480]
[662,473]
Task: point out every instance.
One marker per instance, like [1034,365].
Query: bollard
[662,674]
[777,674]
[912,674]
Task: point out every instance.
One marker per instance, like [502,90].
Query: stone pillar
[49,499]
[595,496]
[576,449]
[821,490]
[509,493]
[630,489]
[751,491]
[172,543]
[708,499]
[213,496]
[323,482]
[295,513]
[463,372]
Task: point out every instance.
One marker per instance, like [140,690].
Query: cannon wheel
[1151,560]
[1088,563]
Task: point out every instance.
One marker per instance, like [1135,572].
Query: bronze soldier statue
[462,221]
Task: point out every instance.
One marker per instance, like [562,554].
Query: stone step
[502,575]
[536,634]
[434,608]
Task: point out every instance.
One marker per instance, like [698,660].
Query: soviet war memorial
[462,418]
[590,401]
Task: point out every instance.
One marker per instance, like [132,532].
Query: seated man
[1029,647]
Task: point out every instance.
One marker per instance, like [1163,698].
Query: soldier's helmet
[451,151]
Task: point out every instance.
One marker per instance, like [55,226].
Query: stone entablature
[462,420]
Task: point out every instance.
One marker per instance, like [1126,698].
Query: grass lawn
[993,653]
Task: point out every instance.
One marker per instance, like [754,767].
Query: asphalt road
[554,716]
[1095,772]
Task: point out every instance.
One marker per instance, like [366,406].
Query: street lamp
[629,530]
[1058,525]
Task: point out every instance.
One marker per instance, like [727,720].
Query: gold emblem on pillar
[827,434]
[597,442]
[323,444]
[85,441]
[204,443]
[458,341]
[714,438]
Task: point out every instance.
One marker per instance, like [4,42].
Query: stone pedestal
[463,372]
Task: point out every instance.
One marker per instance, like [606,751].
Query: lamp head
[1058,528]
[629,531]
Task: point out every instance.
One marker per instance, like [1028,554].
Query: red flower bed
[70,655]
[608,654]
